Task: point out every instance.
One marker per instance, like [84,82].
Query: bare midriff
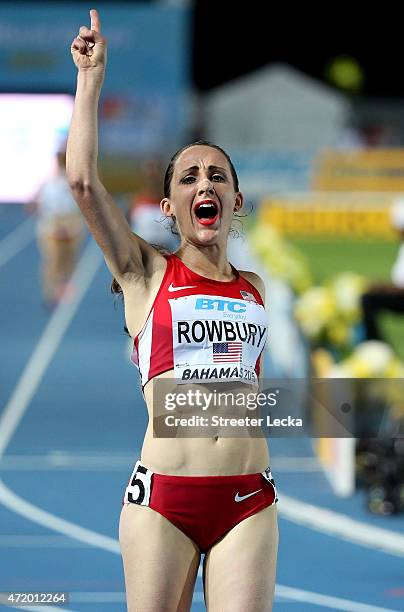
[202,456]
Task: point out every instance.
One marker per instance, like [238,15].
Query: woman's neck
[210,261]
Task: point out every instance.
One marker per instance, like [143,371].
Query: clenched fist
[89,48]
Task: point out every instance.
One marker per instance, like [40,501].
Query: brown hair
[168,177]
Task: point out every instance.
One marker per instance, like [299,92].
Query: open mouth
[206,212]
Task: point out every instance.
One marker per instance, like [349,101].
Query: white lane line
[334,603]
[39,541]
[16,240]
[18,505]
[341,526]
[34,608]
[46,348]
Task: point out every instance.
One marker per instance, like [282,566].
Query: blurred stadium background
[317,137]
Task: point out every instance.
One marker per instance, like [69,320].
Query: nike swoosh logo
[239,498]
[172,288]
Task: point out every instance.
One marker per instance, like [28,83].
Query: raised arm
[126,254]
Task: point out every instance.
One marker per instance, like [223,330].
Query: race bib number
[217,339]
[139,488]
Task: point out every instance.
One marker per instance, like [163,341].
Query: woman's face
[202,196]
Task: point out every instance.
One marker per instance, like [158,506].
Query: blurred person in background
[207,495]
[60,231]
[145,215]
[387,296]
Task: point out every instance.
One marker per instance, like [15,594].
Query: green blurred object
[345,72]
[329,256]
[371,258]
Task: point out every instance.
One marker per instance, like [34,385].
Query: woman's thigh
[46,246]
[239,571]
[160,562]
[66,253]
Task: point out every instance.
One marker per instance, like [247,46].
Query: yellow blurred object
[328,314]
[314,309]
[395,369]
[352,193]
[321,361]
[370,359]
[358,368]
[339,333]
[282,259]
[332,214]
[362,170]
[347,287]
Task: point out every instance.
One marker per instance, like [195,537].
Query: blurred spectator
[386,296]
[145,216]
[60,232]
[382,135]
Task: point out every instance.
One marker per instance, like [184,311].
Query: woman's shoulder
[255,280]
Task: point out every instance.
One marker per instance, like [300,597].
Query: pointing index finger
[95,21]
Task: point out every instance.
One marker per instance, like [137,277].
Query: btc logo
[220,305]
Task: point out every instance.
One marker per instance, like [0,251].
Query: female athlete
[186,496]
[60,233]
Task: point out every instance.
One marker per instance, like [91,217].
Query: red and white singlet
[205,330]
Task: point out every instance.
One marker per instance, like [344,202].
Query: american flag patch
[227,351]
[248,296]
